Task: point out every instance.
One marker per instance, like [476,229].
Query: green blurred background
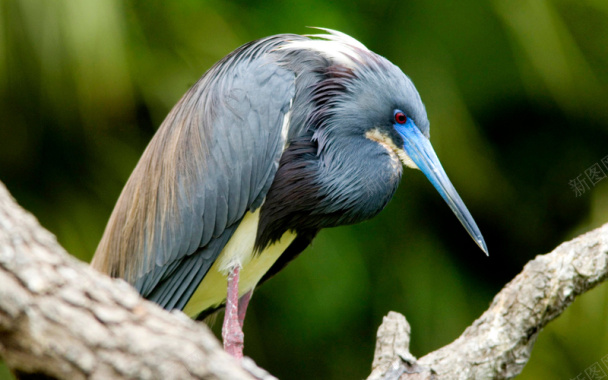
[517,97]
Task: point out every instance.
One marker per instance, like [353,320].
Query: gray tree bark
[61,319]
[498,344]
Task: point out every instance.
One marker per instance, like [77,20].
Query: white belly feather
[239,250]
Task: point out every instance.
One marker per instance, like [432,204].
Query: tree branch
[499,343]
[61,319]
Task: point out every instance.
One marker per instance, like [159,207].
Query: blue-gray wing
[212,160]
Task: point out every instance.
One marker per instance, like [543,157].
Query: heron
[283,137]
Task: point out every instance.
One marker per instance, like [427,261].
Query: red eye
[400,118]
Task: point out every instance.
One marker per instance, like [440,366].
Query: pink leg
[232,333]
[243,302]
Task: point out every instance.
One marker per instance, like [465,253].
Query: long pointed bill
[419,149]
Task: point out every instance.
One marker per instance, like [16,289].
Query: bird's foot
[234,339]
[232,333]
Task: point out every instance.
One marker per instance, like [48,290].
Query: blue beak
[419,149]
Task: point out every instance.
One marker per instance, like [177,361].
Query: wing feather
[212,160]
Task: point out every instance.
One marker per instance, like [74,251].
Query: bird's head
[366,95]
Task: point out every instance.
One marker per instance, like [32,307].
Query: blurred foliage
[517,97]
